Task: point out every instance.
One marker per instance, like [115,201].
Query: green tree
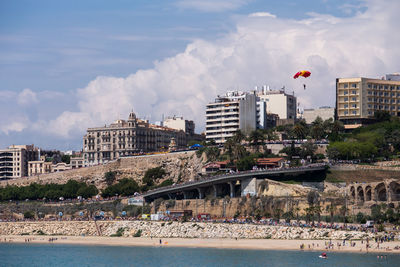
[109,177]
[66,158]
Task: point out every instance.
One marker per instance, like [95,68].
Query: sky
[69,65]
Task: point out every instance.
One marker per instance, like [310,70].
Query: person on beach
[160,242]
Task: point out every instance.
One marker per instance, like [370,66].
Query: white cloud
[14,124]
[262,14]
[259,51]
[27,97]
[211,5]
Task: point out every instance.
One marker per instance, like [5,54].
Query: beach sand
[268,244]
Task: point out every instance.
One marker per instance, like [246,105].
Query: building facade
[14,161]
[179,123]
[125,138]
[278,102]
[229,113]
[357,99]
[325,113]
[36,167]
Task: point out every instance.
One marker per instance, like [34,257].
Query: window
[369,112]
[375,86]
[375,93]
[386,94]
[381,93]
[345,93]
[386,101]
[380,87]
[345,85]
[354,99]
[346,99]
[354,112]
[354,85]
[346,112]
[393,101]
[369,92]
[354,92]
[391,87]
[346,106]
[369,99]
[369,106]
[354,105]
[369,85]
[393,94]
[386,87]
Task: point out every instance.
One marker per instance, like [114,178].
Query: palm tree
[256,138]
[332,210]
[299,131]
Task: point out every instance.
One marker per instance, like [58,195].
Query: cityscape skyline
[51,50]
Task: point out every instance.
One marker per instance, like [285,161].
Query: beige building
[14,161]
[125,138]
[77,162]
[179,123]
[357,99]
[280,103]
[325,113]
[39,167]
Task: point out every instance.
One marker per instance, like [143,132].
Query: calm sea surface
[76,255]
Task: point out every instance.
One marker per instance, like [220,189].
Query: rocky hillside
[178,166]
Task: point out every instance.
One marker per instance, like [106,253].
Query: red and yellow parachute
[304,73]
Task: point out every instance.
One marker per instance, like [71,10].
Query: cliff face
[178,166]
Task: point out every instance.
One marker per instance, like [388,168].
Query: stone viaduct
[369,193]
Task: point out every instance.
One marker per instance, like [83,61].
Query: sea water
[82,255]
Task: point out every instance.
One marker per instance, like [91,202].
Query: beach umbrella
[123,213]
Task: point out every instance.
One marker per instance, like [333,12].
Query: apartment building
[357,99]
[231,112]
[179,123]
[124,138]
[279,102]
[14,161]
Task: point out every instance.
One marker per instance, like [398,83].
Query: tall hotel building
[357,99]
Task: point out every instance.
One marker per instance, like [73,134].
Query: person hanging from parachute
[304,73]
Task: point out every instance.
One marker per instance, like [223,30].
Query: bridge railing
[233,174]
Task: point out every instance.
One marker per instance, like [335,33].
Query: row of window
[381,100]
[346,99]
[383,87]
[352,106]
[384,94]
[384,107]
[353,92]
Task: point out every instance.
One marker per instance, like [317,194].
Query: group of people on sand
[52,239]
[28,240]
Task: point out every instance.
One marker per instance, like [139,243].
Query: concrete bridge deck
[229,179]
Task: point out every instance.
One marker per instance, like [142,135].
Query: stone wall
[177,230]
[179,166]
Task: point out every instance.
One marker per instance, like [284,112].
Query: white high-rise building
[231,112]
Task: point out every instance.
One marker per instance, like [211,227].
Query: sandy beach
[267,244]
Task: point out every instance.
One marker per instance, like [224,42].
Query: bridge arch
[381,192]
[394,189]
[360,194]
[368,193]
